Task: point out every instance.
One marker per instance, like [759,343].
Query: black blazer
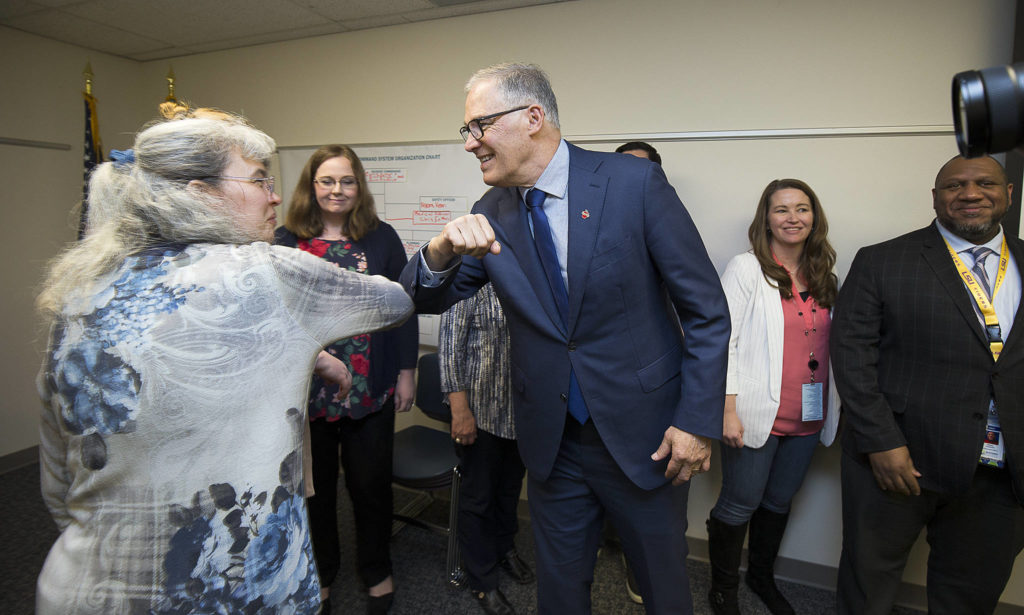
[913,366]
[393,349]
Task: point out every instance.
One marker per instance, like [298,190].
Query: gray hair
[520,84]
[149,202]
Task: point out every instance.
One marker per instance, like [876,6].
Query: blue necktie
[549,259]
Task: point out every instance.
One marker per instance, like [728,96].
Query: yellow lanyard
[995,339]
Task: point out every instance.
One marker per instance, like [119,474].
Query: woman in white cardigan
[780,401]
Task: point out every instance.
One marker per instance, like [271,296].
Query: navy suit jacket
[913,365]
[633,255]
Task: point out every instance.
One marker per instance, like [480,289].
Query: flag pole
[93,147]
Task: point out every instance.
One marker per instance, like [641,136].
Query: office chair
[424,460]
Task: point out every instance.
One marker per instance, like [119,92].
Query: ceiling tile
[148,30]
[160,54]
[56,3]
[188,22]
[482,6]
[269,37]
[375,22]
[86,33]
[14,8]
[355,10]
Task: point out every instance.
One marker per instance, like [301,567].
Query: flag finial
[170,85]
[87,73]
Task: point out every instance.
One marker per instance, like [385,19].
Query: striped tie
[981,253]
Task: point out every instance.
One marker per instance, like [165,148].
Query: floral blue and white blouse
[171,443]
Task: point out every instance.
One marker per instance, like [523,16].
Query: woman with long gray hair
[174,384]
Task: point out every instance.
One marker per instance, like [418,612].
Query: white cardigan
[755,352]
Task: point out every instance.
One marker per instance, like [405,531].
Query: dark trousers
[366,448]
[492,478]
[973,540]
[567,511]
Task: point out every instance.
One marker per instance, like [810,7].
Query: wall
[42,101]
[620,69]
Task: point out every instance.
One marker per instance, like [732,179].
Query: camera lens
[988,109]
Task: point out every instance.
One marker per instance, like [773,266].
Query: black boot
[725,545]
[766,529]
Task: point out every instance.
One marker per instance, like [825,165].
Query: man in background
[640,149]
[473,357]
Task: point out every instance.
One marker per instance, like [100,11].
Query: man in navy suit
[926,378]
[615,407]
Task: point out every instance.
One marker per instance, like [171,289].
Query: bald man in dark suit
[933,395]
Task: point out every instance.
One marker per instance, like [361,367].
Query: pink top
[796,349]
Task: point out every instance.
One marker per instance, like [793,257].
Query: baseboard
[19,459]
[911,596]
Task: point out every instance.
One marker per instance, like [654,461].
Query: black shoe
[632,587]
[725,545]
[724,603]
[325,606]
[379,605]
[766,530]
[517,568]
[494,602]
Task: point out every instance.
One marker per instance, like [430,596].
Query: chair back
[428,389]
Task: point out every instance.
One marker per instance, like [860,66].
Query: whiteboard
[873,185]
[416,188]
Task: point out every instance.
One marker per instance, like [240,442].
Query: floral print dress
[171,441]
[353,351]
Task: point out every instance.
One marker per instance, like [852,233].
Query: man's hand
[894,471]
[688,454]
[732,426]
[331,369]
[405,390]
[469,235]
[463,421]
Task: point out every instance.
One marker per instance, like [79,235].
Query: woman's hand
[405,390]
[463,421]
[732,427]
[331,369]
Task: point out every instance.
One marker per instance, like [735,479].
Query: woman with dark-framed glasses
[181,344]
[780,400]
[332,216]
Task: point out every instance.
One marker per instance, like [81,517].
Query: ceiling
[153,29]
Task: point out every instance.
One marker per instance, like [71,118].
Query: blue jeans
[766,477]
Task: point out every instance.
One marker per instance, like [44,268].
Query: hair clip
[122,158]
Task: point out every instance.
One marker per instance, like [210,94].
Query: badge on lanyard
[813,410]
[992,450]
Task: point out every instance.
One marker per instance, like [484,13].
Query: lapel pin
[585,214]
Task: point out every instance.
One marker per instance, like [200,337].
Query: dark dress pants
[973,541]
[492,479]
[567,511]
[366,447]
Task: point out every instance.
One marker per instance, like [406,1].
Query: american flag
[93,155]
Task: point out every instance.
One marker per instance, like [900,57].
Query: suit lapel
[586,205]
[514,222]
[937,255]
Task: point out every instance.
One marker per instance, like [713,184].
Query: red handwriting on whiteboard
[385,176]
[431,217]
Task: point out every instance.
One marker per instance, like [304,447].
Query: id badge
[811,398]
[992,450]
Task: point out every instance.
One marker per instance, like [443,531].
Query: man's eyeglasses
[327,183]
[266,182]
[476,126]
